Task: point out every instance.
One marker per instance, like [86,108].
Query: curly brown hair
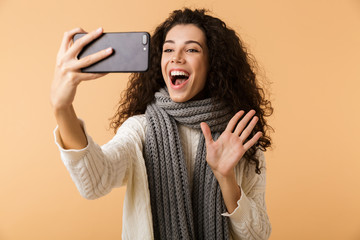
[231,77]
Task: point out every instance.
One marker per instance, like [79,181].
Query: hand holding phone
[130,52]
[67,74]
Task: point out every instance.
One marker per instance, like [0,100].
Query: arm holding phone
[67,77]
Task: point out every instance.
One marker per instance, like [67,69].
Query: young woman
[190,135]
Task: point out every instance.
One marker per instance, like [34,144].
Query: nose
[177,58]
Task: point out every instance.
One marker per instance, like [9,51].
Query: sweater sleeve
[250,220]
[96,169]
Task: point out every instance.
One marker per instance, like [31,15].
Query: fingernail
[108,50]
[99,30]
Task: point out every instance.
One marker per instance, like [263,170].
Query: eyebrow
[187,42]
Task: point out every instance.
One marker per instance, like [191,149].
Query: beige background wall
[309,49]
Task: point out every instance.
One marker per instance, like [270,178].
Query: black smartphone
[130,52]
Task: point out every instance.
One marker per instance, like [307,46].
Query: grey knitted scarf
[177,211]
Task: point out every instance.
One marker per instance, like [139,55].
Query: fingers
[68,38]
[67,61]
[252,141]
[241,125]
[246,133]
[93,58]
[207,133]
[83,41]
[243,132]
[233,121]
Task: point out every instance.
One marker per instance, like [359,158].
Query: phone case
[130,52]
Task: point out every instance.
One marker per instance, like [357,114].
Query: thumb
[207,133]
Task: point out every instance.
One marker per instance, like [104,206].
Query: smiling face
[184,62]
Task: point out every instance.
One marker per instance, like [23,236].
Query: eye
[192,50]
[167,50]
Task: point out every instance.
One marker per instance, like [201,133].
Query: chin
[179,99]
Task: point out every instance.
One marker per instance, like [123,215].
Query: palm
[223,154]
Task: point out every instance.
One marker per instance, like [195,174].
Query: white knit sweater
[96,170]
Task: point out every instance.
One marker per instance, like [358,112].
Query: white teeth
[178,73]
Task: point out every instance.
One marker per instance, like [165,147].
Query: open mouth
[178,77]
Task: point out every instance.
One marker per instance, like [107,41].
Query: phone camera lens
[144,39]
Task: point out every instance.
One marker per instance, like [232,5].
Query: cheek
[202,69]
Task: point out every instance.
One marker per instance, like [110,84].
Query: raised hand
[67,77]
[223,154]
[68,73]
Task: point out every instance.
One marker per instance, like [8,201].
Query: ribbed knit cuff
[71,155]
[242,211]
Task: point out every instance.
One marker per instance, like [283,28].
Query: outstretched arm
[243,193]
[224,154]
[67,77]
